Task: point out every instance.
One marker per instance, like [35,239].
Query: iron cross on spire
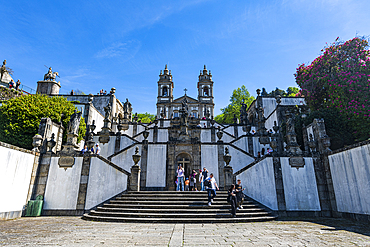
[185,90]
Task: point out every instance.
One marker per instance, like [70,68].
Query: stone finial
[91,98]
[37,142]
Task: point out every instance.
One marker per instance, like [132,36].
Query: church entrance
[184,160]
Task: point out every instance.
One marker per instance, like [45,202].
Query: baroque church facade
[202,107]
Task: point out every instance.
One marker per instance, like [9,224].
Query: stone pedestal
[135,178]
[48,87]
[228,176]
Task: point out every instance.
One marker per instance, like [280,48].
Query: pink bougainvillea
[340,78]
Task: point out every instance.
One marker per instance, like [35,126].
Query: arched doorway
[184,159]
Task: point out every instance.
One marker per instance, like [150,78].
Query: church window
[164,91]
[176,114]
[194,114]
[205,91]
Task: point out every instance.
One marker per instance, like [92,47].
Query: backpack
[207,183]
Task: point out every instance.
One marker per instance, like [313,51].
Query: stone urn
[36,142]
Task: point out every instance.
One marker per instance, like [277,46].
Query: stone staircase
[175,207]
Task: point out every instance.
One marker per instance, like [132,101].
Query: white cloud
[127,50]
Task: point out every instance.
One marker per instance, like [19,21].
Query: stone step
[171,202]
[178,210]
[175,200]
[175,206]
[172,192]
[196,220]
[176,215]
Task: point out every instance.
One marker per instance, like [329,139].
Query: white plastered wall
[209,157]
[300,187]
[62,185]
[259,183]
[104,182]
[15,174]
[350,171]
[156,166]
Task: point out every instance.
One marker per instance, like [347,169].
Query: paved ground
[72,231]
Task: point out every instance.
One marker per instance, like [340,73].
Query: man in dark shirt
[205,173]
[239,194]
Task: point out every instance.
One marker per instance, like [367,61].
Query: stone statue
[3,70]
[108,110]
[51,75]
[74,123]
[185,107]
[290,123]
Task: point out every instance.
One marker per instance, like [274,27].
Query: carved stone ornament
[296,161]
[66,162]
[219,134]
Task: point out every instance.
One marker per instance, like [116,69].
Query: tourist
[201,180]
[211,186]
[97,149]
[231,198]
[11,84]
[204,176]
[180,178]
[239,194]
[187,184]
[269,150]
[199,126]
[193,181]
[17,84]
[72,92]
[84,150]
[253,132]
[204,125]
[258,155]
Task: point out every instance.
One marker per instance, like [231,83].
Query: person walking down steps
[231,198]
[211,186]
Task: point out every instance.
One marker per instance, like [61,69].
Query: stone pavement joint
[73,231]
[177,236]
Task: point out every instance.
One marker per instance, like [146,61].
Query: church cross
[183,162]
[185,90]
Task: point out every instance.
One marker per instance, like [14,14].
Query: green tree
[20,117]
[339,79]
[290,92]
[236,100]
[146,117]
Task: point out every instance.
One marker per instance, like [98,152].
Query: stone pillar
[135,178]
[41,176]
[221,165]
[35,170]
[213,134]
[250,145]
[144,161]
[236,132]
[155,134]
[82,191]
[134,130]
[228,176]
[135,172]
[279,183]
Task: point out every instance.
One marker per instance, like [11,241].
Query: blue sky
[124,44]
